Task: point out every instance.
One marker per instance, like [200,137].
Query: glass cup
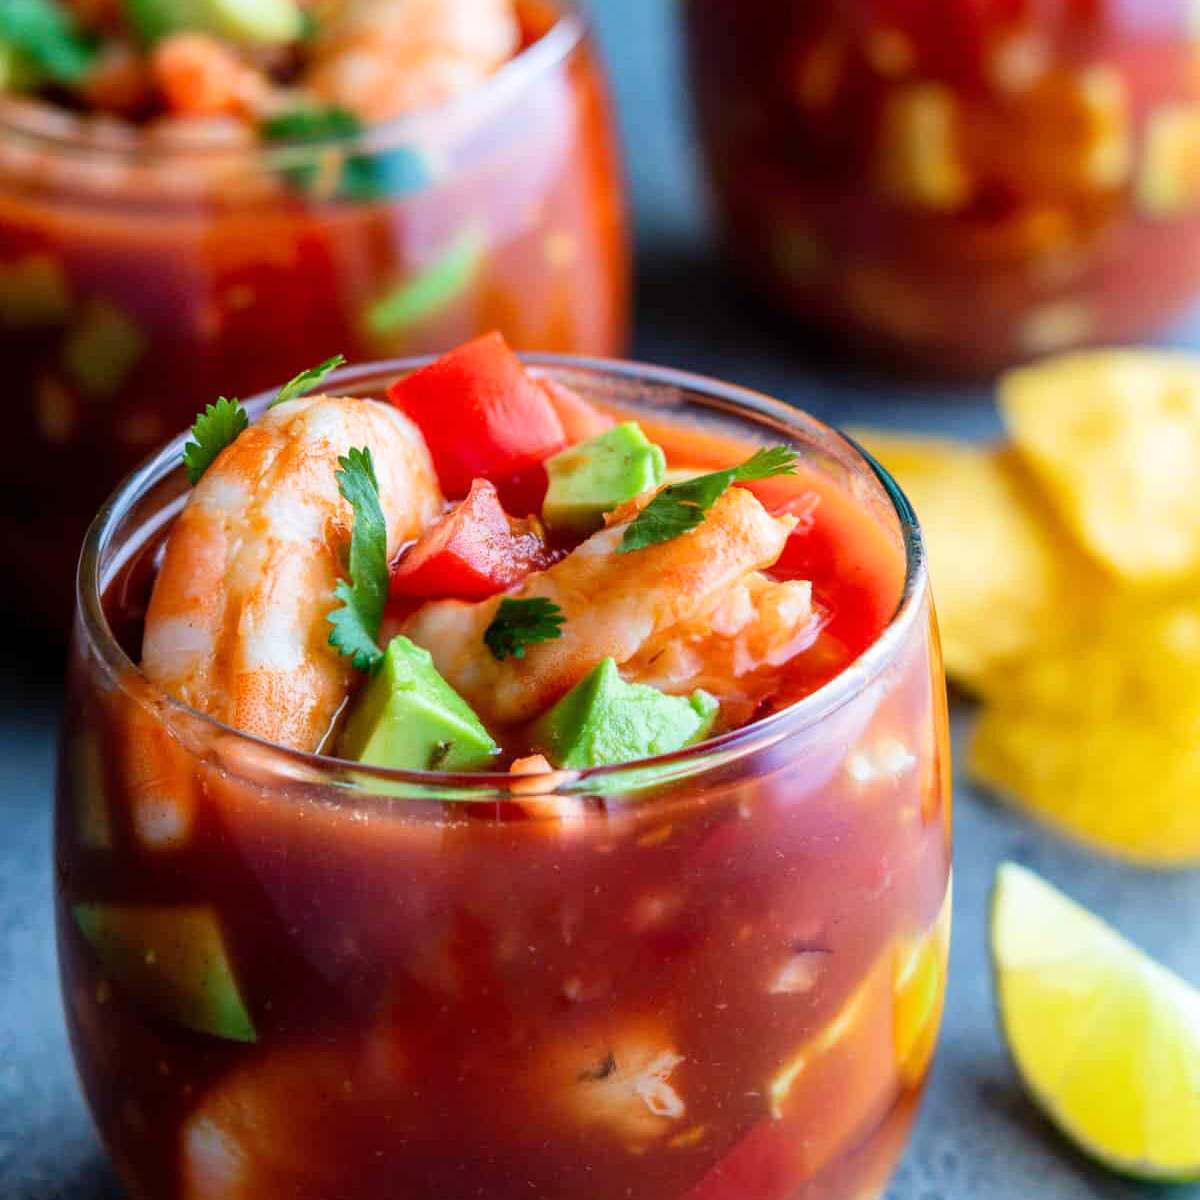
[957,185]
[713,975]
[140,278]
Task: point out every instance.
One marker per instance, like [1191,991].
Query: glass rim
[570,29]
[363,781]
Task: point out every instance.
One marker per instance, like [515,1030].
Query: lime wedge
[1106,1040]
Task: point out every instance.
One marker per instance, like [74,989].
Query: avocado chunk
[603,720]
[102,349]
[246,22]
[594,477]
[34,293]
[430,291]
[17,72]
[410,719]
[85,783]
[173,960]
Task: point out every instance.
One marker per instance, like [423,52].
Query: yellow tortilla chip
[1114,437]
[1002,571]
[1099,736]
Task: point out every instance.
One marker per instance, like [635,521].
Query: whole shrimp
[237,624]
[384,58]
[614,604]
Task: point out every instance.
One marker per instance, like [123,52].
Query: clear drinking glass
[714,975]
[141,278]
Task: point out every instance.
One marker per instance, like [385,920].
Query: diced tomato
[763,1164]
[471,553]
[483,417]
[524,493]
[580,419]
[856,568]
[855,564]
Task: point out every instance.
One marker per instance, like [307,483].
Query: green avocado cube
[409,718]
[34,293]
[253,22]
[173,960]
[603,721]
[246,22]
[18,73]
[102,349]
[594,477]
[431,291]
[84,768]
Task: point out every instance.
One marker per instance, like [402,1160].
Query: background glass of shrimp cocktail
[959,184]
[715,975]
[142,272]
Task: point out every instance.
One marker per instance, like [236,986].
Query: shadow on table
[33,661]
[93,1180]
[695,314]
[1006,1102]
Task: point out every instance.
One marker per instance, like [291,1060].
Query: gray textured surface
[977,1139]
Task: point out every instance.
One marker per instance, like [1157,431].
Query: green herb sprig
[216,427]
[682,506]
[369,175]
[307,381]
[311,123]
[521,623]
[46,36]
[356,622]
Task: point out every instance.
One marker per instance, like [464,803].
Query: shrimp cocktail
[195,195]
[504,779]
[957,183]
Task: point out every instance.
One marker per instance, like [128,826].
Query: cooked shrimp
[619,1080]
[737,648]
[200,76]
[237,623]
[248,1139]
[383,58]
[613,603]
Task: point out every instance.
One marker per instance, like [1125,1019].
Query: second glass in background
[954,183]
[140,280]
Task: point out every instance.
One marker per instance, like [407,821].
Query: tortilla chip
[1002,570]
[1099,736]
[1114,437]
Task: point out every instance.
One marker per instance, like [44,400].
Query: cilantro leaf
[216,427]
[307,381]
[680,507]
[46,35]
[766,464]
[356,622]
[311,123]
[521,623]
[370,175]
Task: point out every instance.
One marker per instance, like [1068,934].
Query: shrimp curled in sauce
[237,625]
[384,58]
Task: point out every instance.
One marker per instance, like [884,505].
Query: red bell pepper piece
[580,419]
[473,552]
[483,417]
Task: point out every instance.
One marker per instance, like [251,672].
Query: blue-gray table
[978,1138]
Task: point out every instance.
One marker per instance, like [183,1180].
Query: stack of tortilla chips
[1066,571]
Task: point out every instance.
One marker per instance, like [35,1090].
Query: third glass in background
[958,184]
